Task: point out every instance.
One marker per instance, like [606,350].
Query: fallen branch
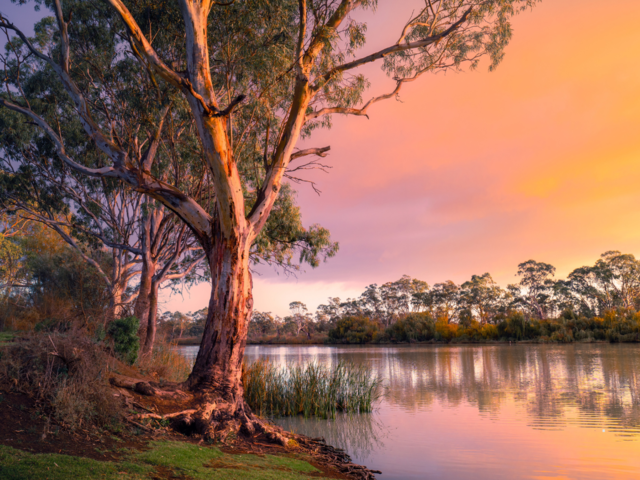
[143,388]
[156,416]
[139,425]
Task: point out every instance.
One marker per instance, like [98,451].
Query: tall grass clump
[310,390]
[165,363]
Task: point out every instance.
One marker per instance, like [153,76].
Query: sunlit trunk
[218,366]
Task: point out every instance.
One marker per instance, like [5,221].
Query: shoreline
[34,445]
[194,343]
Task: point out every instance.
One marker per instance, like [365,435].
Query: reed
[310,390]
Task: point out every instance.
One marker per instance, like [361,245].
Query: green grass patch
[201,462]
[6,337]
[310,390]
[182,459]
[18,465]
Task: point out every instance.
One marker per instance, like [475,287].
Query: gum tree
[257,77]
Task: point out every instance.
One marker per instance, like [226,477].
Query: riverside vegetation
[62,355]
[309,390]
[58,385]
[600,302]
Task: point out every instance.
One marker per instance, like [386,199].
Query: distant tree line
[598,302]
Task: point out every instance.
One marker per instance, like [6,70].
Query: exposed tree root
[216,416]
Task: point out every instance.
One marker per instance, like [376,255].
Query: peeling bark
[218,366]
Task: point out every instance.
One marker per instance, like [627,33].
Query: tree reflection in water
[589,385]
[473,411]
[580,384]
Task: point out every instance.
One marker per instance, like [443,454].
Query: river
[486,412]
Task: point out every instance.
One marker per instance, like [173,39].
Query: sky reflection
[523,411]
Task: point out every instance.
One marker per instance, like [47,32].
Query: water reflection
[362,435]
[526,411]
[548,381]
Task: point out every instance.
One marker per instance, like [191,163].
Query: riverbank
[267,340]
[31,446]
[66,404]
[324,341]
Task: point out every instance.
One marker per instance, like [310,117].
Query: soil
[24,426]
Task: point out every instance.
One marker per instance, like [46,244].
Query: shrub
[444,330]
[64,290]
[489,332]
[68,373]
[582,335]
[52,325]
[514,326]
[126,343]
[415,327]
[532,329]
[354,330]
[562,336]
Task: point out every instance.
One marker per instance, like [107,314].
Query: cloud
[476,171]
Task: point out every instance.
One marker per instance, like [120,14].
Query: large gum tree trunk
[218,366]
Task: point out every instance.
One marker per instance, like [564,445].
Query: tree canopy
[244,82]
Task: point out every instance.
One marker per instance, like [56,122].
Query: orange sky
[479,171]
[476,171]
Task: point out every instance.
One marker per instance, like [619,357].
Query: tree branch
[302,6]
[392,49]
[363,111]
[39,121]
[143,49]
[321,152]
[149,156]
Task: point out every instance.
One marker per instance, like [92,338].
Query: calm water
[487,412]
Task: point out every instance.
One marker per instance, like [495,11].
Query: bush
[354,330]
[415,327]
[444,330]
[489,332]
[126,343]
[64,290]
[621,325]
[514,326]
[562,336]
[67,373]
[52,325]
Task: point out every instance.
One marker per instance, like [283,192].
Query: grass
[6,337]
[18,465]
[309,390]
[171,459]
[165,363]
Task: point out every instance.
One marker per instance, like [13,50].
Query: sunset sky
[476,172]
